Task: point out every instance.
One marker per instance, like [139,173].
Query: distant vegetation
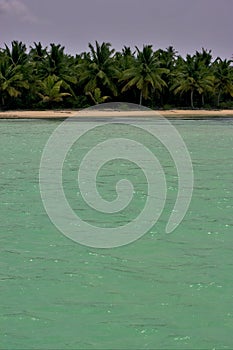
[41,77]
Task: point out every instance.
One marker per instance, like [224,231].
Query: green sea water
[164,291]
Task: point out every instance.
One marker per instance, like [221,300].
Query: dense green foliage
[49,78]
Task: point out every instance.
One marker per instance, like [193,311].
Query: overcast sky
[188,25]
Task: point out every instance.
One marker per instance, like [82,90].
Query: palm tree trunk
[3,101]
[162,99]
[140,101]
[203,100]
[218,101]
[191,96]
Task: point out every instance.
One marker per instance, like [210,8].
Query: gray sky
[185,24]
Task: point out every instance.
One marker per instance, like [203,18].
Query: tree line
[46,77]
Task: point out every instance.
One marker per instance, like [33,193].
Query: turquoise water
[164,291]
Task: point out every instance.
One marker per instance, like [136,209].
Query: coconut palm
[55,63]
[192,76]
[125,59]
[96,96]
[145,74]
[38,53]
[50,90]
[167,59]
[12,81]
[205,57]
[98,69]
[223,77]
[17,53]
[18,57]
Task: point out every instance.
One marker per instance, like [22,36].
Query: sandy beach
[113,113]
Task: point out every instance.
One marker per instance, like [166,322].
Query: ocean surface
[163,291]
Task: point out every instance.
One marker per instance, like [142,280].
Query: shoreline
[53,114]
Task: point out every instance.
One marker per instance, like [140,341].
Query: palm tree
[96,96]
[192,75]
[205,59]
[12,81]
[223,77]
[125,59]
[17,54]
[18,57]
[50,90]
[97,69]
[55,63]
[38,53]
[145,74]
[167,59]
